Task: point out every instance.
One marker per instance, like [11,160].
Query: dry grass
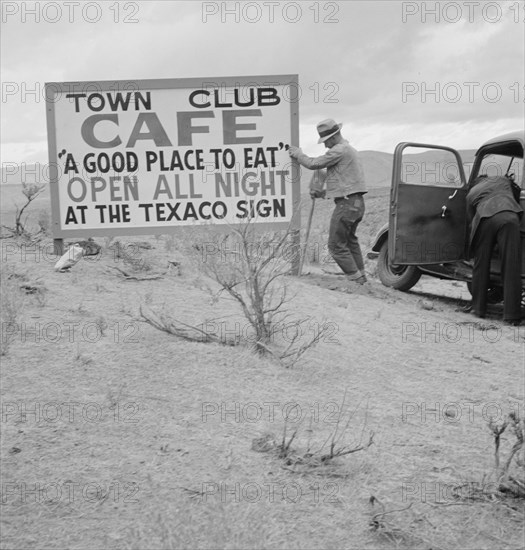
[11,305]
[176,419]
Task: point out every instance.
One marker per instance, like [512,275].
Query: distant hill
[377,166]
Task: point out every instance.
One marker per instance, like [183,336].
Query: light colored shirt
[344,171]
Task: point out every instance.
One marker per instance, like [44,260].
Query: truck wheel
[402,277]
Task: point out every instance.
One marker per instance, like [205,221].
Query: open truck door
[427,222]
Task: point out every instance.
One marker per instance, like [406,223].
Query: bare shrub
[509,462]
[131,256]
[31,192]
[395,532]
[163,321]
[248,266]
[298,346]
[510,471]
[135,267]
[339,442]
[102,324]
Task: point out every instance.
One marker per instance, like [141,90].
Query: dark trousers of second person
[502,228]
[343,244]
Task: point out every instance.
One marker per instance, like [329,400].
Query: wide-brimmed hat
[328,128]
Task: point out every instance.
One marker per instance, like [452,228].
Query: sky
[449,73]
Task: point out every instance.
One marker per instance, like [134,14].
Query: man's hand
[317,193]
[294,152]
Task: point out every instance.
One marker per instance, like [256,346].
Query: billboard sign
[149,156]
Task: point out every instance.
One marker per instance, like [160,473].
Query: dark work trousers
[504,229]
[342,239]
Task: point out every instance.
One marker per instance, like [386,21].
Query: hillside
[166,443]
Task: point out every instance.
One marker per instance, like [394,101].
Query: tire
[399,277]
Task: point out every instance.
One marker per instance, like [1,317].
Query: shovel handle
[308,226]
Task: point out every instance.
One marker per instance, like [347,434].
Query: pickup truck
[427,231]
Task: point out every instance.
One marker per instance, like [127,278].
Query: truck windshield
[499,165]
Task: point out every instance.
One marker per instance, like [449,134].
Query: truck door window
[437,168]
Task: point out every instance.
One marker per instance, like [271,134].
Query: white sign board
[148,156]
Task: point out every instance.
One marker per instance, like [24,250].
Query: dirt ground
[117,435]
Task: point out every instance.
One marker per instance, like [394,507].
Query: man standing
[494,215]
[345,183]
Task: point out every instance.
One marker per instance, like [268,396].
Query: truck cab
[427,231]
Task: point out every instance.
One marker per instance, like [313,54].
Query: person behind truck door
[494,216]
